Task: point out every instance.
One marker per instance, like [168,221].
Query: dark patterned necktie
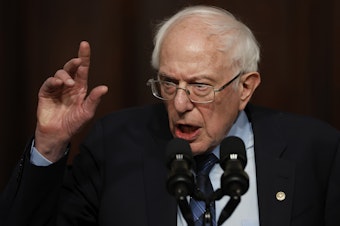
[204,164]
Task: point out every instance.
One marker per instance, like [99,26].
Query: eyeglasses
[196,92]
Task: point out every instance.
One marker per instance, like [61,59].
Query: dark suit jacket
[120,175]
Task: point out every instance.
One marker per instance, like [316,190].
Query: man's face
[190,56]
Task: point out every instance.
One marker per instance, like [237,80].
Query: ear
[248,83]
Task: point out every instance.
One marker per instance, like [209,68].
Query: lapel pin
[280,196]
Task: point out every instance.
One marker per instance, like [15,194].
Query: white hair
[233,35]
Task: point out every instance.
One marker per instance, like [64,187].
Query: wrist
[50,147]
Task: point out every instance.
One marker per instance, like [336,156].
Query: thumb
[93,99]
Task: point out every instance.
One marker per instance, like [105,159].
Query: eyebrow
[163,75]
[191,80]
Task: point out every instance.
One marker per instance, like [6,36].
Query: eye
[201,86]
[201,89]
[168,88]
[167,84]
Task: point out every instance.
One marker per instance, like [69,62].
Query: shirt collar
[242,129]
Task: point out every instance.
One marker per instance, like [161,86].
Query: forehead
[189,48]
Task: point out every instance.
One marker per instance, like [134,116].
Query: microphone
[234,181]
[180,163]
[233,159]
[180,182]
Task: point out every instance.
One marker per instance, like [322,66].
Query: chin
[194,153]
[196,150]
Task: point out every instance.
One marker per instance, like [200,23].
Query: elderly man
[207,73]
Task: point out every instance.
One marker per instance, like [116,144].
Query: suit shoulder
[286,121]
[151,119]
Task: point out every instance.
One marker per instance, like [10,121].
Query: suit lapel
[275,176]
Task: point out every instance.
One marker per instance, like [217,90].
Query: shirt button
[280,196]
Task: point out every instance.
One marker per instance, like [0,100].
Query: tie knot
[204,163]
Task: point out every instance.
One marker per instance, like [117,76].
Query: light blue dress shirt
[246,213]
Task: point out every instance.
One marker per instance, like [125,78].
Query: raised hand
[64,106]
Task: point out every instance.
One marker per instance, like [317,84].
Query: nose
[182,103]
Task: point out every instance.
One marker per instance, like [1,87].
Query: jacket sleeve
[332,210]
[31,195]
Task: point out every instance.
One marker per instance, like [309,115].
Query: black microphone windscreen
[178,146]
[233,145]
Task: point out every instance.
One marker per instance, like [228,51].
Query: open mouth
[187,132]
[187,128]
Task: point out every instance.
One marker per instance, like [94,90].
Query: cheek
[219,120]
[172,115]
[169,109]
[215,123]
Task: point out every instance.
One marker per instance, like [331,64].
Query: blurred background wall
[300,41]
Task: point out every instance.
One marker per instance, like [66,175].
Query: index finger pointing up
[84,54]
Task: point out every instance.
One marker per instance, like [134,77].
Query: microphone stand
[229,207]
[185,210]
[207,216]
